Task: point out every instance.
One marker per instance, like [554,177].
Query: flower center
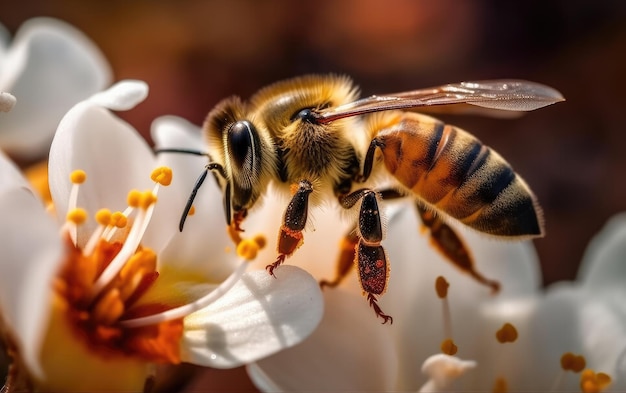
[102,280]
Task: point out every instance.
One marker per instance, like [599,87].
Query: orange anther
[506,334]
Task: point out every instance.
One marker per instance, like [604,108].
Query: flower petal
[50,67]
[31,255]
[442,370]
[114,156]
[122,96]
[207,226]
[258,317]
[10,176]
[349,351]
[7,101]
[603,263]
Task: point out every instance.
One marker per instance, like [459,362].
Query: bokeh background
[573,155]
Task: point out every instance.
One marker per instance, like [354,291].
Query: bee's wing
[507,95]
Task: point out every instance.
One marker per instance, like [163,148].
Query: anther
[109,308]
[134,198]
[441,286]
[77,216]
[500,385]
[260,240]
[449,347]
[506,334]
[119,220]
[162,175]
[192,210]
[103,217]
[147,199]
[78,176]
[247,249]
[572,362]
[592,382]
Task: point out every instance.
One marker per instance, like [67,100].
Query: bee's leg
[368,162]
[347,255]
[370,255]
[290,235]
[448,243]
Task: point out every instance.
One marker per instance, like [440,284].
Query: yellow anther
[192,211]
[247,249]
[592,382]
[109,308]
[144,260]
[500,386]
[449,347]
[162,175]
[147,199]
[506,334]
[441,286]
[571,362]
[260,240]
[119,220]
[133,198]
[78,176]
[103,217]
[77,216]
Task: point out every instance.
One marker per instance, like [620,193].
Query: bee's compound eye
[241,142]
[306,115]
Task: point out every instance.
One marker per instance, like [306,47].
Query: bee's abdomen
[455,173]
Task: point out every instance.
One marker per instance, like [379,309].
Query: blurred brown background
[193,53]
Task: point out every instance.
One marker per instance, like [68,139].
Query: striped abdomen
[454,172]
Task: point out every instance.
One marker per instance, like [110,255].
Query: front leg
[290,236]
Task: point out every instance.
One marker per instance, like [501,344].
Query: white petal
[122,96]
[604,260]
[50,67]
[10,176]
[204,244]
[31,254]
[258,317]
[7,101]
[114,156]
[349,351]
[443,370]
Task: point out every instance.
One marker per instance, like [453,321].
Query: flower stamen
[506,334]
[447,345]
[592,382]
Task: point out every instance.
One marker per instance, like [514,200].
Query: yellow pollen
[592,382]
[449,347]
[192,211]
[441,286]
[103,217]
[147,199]
[162,175]
[260,240]
[500,386]
[506,334]
[77,216]
[133,198]
[78,176]
[247,249]
[571,362]
[119,220]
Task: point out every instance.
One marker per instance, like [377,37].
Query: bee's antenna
[209,167]
[183,151]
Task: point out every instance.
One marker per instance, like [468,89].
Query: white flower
[49,66]
[514,341]
[94,306]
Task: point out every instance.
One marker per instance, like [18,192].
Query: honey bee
[312,135]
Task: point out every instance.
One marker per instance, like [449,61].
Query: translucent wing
[506,95]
